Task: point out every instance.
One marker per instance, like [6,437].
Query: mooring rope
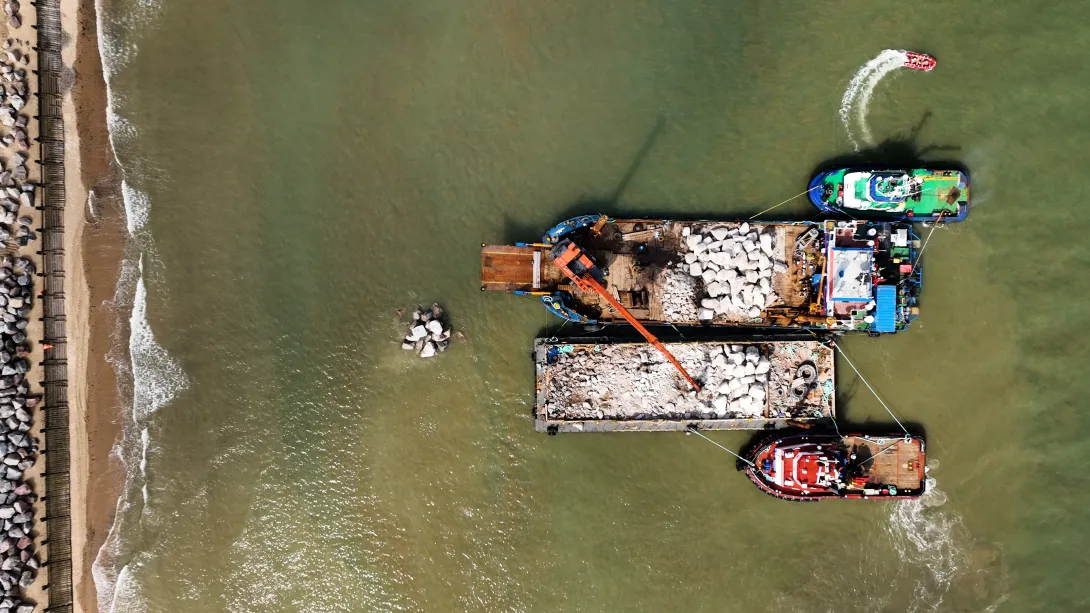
[833,418]
[925,241]
[785,201]
[693,430]
[860,375]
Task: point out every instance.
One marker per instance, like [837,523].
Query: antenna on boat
[692,429]
[637,161]
[785,201]
[927,240]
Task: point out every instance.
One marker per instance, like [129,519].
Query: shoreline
[94,247]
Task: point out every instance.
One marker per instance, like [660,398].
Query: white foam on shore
[157,377]
[856,100]
[137,206]
[147,375]
[112,49]
[127,597]
[106,566]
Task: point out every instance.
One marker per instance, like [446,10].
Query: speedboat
[919,61]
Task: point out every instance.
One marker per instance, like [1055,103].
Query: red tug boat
[919,61]
[810,466]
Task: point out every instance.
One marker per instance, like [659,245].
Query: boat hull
[826,201]
[919,61]
[812,466]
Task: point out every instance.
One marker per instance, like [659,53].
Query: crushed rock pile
[428,333]
[637,382]
[732,266]
[19,562]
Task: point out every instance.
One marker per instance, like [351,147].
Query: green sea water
[295,172]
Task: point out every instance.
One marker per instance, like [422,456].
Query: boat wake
[942,558]
[856,100]
[929,538]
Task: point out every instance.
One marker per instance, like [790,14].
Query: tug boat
[917,194]
[808,466]
[919,61]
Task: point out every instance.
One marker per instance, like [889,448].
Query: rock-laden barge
[604,385]
[810,466]
[917,194]
[824,275]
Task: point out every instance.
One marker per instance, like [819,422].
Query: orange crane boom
[567,253]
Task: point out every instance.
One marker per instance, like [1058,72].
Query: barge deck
[828,275]
[605,385]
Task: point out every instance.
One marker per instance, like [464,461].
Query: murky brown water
[310,168]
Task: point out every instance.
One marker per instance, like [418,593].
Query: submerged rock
[429,350]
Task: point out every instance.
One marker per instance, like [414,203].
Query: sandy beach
[94,243]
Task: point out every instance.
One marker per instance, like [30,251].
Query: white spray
[932,539]
[854,104]
[157,377]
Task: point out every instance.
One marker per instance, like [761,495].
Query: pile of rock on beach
[429,333]
[18,448]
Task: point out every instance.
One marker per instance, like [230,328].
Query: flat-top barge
[823,275]
[605,385]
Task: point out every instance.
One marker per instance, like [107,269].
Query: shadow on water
[514,230]
[899,151]
[634,167]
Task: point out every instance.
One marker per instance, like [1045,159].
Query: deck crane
[577,266]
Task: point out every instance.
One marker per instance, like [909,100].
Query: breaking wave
[148,376]
[856,100]
[136,208]
[157,377]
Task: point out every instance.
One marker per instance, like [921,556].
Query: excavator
[587,277]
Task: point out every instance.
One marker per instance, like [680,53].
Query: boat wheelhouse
[895,195]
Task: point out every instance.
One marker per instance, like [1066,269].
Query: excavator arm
[578,267]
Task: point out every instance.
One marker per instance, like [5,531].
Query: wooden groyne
[57,526]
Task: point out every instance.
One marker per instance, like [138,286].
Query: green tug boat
[917,194]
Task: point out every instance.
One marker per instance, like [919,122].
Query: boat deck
[632,254]
[899,465]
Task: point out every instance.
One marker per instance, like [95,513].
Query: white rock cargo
[631,386]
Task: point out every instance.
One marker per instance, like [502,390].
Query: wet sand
[94,243]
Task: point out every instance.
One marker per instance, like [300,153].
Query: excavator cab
[576,264]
